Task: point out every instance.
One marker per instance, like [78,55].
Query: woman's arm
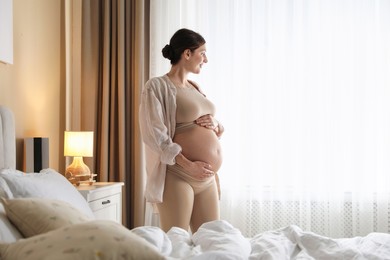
[153,126]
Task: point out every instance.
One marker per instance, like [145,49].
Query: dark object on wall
[36,154]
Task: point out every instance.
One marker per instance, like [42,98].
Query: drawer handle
[106,202]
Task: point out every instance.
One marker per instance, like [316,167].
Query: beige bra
[190,105]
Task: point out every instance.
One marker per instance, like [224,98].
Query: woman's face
[196,59]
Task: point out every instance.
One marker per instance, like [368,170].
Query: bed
[43,216]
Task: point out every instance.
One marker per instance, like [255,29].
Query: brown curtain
[113,69]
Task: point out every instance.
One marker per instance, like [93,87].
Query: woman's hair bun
[167,52]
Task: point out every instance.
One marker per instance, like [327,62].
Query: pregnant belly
[200,144]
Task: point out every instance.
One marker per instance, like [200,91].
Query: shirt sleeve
[153,118]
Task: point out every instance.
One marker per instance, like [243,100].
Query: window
[303,90]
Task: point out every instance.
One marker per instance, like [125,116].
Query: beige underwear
[196,184]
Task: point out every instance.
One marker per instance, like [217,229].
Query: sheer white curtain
[303,90]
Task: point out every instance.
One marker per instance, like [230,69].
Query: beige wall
[34,86]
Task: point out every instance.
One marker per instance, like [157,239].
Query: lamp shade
[78,143]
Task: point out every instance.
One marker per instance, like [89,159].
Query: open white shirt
[157,124]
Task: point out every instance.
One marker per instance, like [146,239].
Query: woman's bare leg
[178,199]
[206,207]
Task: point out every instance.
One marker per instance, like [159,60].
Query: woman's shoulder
[157,84]
[157,81]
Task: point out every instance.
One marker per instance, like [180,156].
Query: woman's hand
[210,122]
[200,170]
[207,121]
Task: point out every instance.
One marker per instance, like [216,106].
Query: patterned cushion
[96,239]
[34,216]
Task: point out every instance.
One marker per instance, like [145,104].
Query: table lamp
[78,144]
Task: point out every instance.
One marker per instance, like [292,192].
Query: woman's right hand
[197,169]
[200,170]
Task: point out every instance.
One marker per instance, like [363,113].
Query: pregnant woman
[183,154]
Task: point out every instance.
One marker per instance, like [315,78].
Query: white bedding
[213,240]
[220,240]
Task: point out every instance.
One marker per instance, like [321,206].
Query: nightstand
[104,198]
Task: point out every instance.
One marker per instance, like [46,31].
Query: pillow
[5,192]
[34,216]
[96,239]
[8,232]
[46,184]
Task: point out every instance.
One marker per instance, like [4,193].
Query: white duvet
[220,240]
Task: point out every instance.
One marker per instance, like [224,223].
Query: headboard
[7,139]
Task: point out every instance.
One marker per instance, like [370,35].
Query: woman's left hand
[207,121]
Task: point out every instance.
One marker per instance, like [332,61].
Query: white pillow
[46,184]
[34,216]
[5,192]
[97,239]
